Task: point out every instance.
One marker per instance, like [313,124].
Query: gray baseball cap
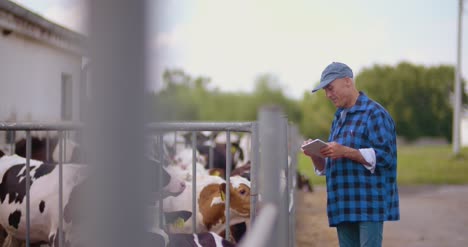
[333,71]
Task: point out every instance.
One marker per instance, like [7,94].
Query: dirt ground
[431,216]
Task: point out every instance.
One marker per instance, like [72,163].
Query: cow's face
[240,195]
[172,186]
[165,184]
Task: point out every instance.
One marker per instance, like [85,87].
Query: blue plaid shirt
[354,193]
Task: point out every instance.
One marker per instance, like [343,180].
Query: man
[360,162]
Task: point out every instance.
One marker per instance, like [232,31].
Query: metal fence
[271,140]
[62,130]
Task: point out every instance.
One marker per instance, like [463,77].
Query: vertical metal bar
[271,162]
[194,183]
[160,180]
[116,127]
[12,141]
[47,147]
[283,225]
[254,164]
[261,231]
[60,202]
[227,204]
[65,140]
[211,151]
[457,109]
[175,142]
[28,184]
[290,185]
[295,144]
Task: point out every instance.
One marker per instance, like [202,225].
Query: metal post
[28,185]
[65,138]
[271,162]
[194,182]
[227,204]
[295,144]
[458,90]
[160,180]
[211,151]
[12,141]
[60,201]
[47,147]
[283,225]
[115,125]
[254,165]
[175,142]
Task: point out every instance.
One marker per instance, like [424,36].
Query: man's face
[337,92]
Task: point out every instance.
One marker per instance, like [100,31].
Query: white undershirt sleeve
[369,156]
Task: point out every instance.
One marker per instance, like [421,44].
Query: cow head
[170,185]
[240,195]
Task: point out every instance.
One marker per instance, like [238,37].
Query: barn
[40,68]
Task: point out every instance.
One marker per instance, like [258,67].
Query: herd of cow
[176,193]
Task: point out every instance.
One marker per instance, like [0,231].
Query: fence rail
[282,204]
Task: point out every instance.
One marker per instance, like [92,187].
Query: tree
[318,113]
[417,97]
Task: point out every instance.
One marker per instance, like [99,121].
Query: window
[67,97]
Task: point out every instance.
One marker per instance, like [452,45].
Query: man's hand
[318,161]
[306,151]
[334,150]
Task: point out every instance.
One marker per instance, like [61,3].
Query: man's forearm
[355,154]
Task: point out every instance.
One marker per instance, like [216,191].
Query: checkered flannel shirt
[354,193]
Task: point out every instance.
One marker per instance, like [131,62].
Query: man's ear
[348,81]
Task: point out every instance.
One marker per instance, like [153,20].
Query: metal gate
[270,139]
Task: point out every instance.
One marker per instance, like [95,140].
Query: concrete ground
[431,216]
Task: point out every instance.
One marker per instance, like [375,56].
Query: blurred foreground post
[273,157]
[114,126]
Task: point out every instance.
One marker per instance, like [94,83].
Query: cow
[44,218]
[43,201]
[160,237]
[40,152]
[211,204]
[206,239]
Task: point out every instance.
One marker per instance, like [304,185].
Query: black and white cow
[44,222]
[39,150]
[44,211]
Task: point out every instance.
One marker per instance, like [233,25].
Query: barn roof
[16,18]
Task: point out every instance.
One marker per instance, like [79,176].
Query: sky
[234,42]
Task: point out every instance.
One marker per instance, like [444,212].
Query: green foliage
[318,113]
[188,99]
[417,97]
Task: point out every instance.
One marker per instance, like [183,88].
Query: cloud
[71,14]
[234,41]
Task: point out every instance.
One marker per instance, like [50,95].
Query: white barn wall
[31,77]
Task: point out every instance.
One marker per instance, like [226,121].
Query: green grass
[416,165]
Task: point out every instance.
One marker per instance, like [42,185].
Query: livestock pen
[276,219]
